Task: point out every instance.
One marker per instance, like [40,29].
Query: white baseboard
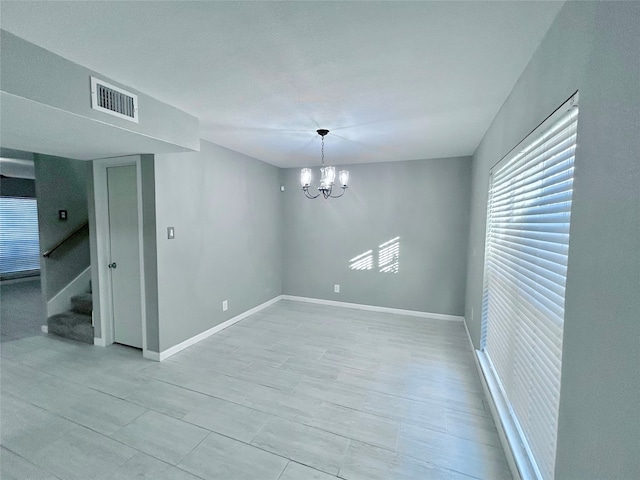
[207,333]
[373,308]
[163,355]
[100,342]
[149,355]
[502,434]
[61,302]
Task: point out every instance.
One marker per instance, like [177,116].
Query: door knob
[112,265]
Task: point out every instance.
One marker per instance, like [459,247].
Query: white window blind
[527,247]
[19,243]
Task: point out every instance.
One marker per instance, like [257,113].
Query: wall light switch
[225,305]
[336,288]
[171,233]
[282,188]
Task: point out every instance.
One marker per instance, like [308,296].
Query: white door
[124,265]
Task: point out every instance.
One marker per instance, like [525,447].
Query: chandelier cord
[322,150]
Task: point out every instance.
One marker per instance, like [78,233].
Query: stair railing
[65,239]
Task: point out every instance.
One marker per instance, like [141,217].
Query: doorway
[124,261]
[119,251]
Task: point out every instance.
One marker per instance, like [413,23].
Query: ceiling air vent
[113,100]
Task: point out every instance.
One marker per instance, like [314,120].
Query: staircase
[75,323]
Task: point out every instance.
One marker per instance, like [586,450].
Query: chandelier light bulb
[344,177]
[305,177]
[328,176]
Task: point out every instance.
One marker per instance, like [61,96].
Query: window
[19,245]
[527,247]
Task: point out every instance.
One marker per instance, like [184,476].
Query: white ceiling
[391,80]
[17,168]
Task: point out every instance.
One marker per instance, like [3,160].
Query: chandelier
[327,177]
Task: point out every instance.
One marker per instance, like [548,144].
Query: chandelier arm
[326,192]
[306,192]
[338,196]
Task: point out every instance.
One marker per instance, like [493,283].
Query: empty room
[309,240]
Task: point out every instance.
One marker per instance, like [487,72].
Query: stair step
[82,303]
[72,325]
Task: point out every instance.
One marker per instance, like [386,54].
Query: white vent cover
[115,101]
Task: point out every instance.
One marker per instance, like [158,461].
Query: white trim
[207,333]
[374,308]
[45,328]
[101,196]
[100,342]
[149,355]
[61,302]
[466,329]
[143,290]
[511,460]
[509,434]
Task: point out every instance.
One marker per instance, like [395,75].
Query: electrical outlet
[171,233]
[336,288]
[225,305]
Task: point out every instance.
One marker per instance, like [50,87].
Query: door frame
[103,246]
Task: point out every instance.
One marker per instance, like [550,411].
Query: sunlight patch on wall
[364,261]
[388,258]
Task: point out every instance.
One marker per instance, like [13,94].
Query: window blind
[527,246]
[19,243]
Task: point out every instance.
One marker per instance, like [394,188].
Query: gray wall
[424,202]
[61,184]
[593,47]
[226,210]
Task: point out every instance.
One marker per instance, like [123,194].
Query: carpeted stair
[75,323]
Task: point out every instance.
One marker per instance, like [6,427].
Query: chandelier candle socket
[327,177]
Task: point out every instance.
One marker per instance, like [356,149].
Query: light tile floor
[294,392]
[22,309]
